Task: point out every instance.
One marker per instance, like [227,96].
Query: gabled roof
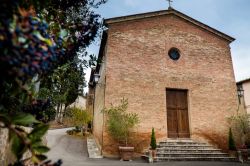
[170,11]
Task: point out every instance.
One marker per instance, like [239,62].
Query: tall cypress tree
[153,140]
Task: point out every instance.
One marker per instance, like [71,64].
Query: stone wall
[3,145]
[246,87]
[6,156]
[139,68]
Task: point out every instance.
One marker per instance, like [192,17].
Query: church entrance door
[177,114]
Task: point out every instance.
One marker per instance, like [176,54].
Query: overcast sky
[228,16]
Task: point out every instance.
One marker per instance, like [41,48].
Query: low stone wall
[6,157]
[5,154]
[3,140]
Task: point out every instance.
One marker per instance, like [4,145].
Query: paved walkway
[73,152]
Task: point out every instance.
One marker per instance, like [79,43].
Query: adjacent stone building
[244,96]
[176,73]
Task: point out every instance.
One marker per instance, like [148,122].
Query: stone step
[186,147]
[193,144]
[192,154]
[179,140]
[162,150]
[203,158]
[181,143]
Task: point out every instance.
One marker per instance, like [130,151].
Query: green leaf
[40,37]
[5,119]
[22,39]
[41,149]
[38,132]
[63,33]
[23,119]
[48,42]
[18,148]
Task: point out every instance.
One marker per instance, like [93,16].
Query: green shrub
[74,131]
[70,132]
[79,117]
[241,125]
[153,140]
[120,122]
[77,129]
[231,143]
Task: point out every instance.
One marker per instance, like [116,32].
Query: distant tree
[66,84]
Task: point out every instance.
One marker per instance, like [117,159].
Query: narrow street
[70,149]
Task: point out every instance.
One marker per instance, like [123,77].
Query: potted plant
[231,144]
[240,122]
[120,123]
[153,144]
[243,152]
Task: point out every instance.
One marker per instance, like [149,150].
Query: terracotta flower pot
[126,153]
[244,154]
[153,153]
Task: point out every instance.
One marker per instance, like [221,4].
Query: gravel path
[73,152]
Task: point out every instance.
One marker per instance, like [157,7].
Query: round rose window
[174,54]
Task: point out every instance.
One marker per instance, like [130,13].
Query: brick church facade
[176,73]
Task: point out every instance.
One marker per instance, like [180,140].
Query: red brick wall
[139,68]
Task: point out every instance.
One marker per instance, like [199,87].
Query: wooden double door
[177,114]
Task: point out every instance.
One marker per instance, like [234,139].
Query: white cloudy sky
[229,16]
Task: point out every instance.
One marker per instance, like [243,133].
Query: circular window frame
[172,51]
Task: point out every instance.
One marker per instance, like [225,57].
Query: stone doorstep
[203,158]
[192,153]
[93,150]
[184,145]
[188,150]
[159,159]
[181,143]
[179,140]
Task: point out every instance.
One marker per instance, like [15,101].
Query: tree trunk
[60,114]
[57,112]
